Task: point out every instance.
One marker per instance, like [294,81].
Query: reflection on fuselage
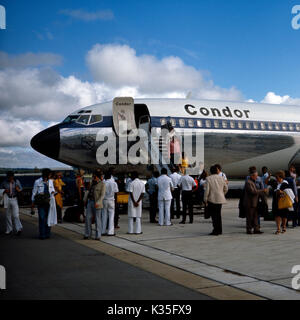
[78,147]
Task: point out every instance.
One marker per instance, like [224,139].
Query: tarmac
[62,268]
[232,266]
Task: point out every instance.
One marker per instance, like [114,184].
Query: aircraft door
[123,115]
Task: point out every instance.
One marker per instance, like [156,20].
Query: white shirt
[136,187]
[187,183]
[127,184]
[202,182]
[111,189]
[164,184]
[222,174]
[279,185]
[175,179]
[39,187]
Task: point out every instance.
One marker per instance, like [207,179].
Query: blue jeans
[90,213]
[43,226]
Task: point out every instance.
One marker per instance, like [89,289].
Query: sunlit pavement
[259,264]
[65,268]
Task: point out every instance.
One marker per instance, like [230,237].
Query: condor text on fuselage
[216,112]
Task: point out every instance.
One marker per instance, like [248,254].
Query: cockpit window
[71,118]
[84,119]
[85,111]
[96,118]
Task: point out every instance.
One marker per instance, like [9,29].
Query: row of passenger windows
[225,124]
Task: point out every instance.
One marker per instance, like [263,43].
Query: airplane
[235,134]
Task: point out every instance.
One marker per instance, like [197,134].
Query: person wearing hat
[11,188]
[251,196]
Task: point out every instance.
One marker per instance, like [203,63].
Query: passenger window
[84,119]
[291,127]
[255,125]
[224,124]
[263,126]
[284,126]
[240,125]
[216,124]
[277,126]
[173,122]
[298,127]
[163,121]
[199,123]
[207,123]
[270,126]
[96,118]
[182,122]
[191,123]
[248,125]
[232,124]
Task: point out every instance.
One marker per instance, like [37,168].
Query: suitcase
[73,214]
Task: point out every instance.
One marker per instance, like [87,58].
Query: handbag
[42,199]
[284,202]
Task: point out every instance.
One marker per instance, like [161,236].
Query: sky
[57,56]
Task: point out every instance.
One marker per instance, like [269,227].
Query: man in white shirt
[44,187]
[165,187]
[175,193]
[108,212]
[136,194]
[187,184]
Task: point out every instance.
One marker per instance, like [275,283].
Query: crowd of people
[170,196]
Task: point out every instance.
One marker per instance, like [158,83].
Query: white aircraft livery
[236,135]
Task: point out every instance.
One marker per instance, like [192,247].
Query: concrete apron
[234,266]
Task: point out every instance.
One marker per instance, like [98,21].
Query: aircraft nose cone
[47,142]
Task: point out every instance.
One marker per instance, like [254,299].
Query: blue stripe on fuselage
[156,122]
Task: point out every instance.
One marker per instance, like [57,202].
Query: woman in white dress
[52,214]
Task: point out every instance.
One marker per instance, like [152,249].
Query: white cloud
[26,158]
[271,97]
[29,60]
[87,15]
[16,132]
[36,94]
[33,98]
[119,66]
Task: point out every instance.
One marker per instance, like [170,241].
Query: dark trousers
[214,210]
[187,202]
[153,206]
[59,213]
[176,199]
[43,225]
[252,219]
[295,214]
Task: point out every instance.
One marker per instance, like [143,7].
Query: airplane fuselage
[236,134]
